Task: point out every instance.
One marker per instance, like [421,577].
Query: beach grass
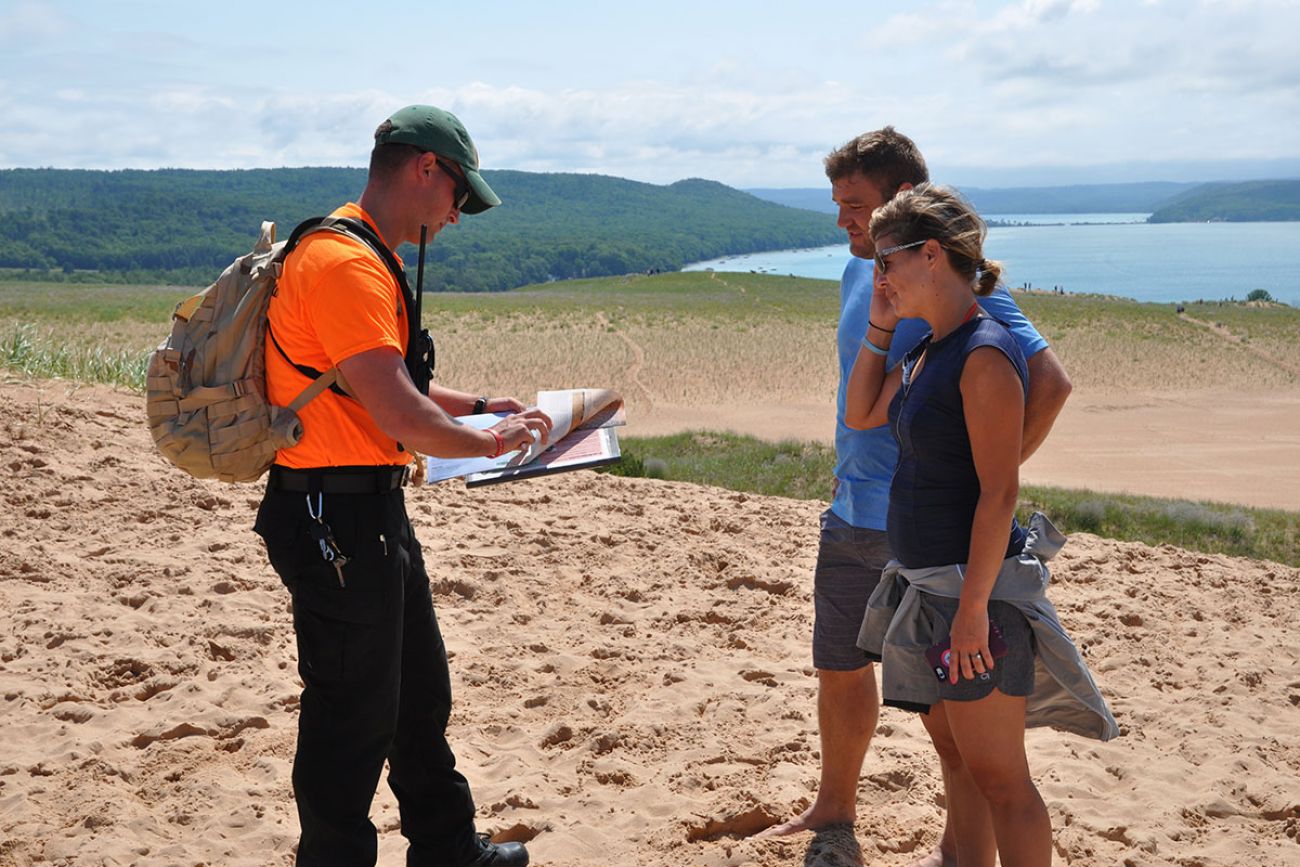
[805,470]
[545,336]
[701,339]
[87,333]
[1270,329]
[27,350]
[800,470]
[77,303]
[1217,528]
[1117,343]
[705,336]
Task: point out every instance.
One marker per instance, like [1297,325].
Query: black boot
[499,854]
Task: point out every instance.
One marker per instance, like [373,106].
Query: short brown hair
[888,157]
[932,211]
[386,159]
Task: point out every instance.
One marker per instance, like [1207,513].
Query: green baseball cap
[432,129]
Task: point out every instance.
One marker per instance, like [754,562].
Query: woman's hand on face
[882,310]
[970,643]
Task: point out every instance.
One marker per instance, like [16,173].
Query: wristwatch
[480,405]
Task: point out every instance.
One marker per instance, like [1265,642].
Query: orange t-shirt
[334,300]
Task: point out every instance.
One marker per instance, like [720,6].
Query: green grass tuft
[1219,528]
[741,463]
[24,350]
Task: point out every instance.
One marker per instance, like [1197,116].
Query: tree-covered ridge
[1129,198]
[1243,202]
[1169,202]
[183,226]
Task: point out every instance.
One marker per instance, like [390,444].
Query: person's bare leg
[990,736]
[847,709]
[968,832]
[945,854]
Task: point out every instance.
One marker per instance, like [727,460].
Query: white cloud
[26,21]
[1029,14]
[1034,82]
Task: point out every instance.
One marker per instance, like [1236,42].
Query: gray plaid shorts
[849,562]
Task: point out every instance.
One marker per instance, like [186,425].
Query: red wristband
[501,444]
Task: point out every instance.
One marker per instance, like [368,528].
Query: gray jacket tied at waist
[897,631]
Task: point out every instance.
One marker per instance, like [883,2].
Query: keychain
[320,531]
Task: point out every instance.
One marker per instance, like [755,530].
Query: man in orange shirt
[376,686]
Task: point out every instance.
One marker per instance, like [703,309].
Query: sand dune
[631,665]
[1228,446]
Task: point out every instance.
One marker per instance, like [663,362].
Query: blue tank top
[935,488]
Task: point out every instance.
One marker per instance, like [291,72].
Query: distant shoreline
[1145,262]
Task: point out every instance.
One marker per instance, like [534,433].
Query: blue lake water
[1111,254]
[1066,219]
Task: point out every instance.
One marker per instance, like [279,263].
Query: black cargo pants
[375,681]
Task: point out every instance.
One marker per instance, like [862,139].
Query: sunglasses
[881,265]
[462,183]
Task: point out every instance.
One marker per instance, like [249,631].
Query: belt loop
[314,484]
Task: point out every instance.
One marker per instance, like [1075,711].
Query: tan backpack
[206,386]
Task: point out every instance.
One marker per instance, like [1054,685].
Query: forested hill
[184,226]
[1167,201]
[1247,201]
[1078,199]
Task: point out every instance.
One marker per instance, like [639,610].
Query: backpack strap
[319,384]
[331,377]
[358,230]
[362,230]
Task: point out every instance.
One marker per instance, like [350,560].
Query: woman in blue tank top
[956,407]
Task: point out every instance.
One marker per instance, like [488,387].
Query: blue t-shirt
[865,459]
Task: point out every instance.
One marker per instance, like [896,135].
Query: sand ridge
[631,666]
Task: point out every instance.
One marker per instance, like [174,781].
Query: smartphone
[940,655]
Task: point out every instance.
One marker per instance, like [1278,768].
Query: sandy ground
[1219,445]
[1229,446]
[631,665]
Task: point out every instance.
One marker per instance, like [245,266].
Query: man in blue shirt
[865,173]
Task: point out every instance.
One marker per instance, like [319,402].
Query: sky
[1016,93]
